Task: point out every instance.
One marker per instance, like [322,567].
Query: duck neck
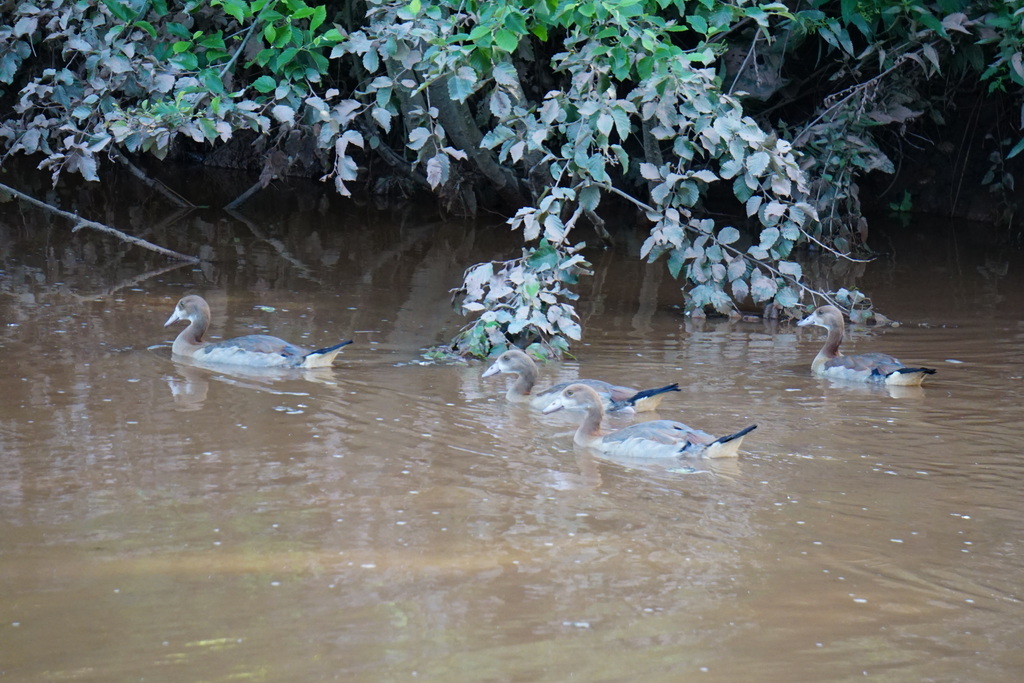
[520,390]
[830,350]
[832,342]
[191,338]
[589,430]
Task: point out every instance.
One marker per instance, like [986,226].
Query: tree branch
[80,223]
[462,130]
[152,183]
[845,95]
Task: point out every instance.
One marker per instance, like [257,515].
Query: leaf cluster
[550,107]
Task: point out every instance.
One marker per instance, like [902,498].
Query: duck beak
[493,370]
[806,322]
[552,407]
[175,317]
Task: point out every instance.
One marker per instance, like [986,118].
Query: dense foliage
[549,108]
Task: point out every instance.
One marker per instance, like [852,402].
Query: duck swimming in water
[864,367]
[251,350]
[653,439]
[614,398]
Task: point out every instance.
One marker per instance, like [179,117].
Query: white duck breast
[654,439]
[879,368]
[613,397]
[252,350]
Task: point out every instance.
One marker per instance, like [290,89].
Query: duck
[880,368]
[251,350]
[644,440]
[614,398]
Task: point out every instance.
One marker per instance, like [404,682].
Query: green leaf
[147,27]
[236,9]
[787,297]
[698,23]
[504,73]
[186,61]
[119,10]
[212,81]
[623,156]
[757,163]
[791,268]
[676,259]
[763,288]
[515,21]
[506,40]
[741,189]
[769,236]
[286,57]
[589,197]
[459,87]
[178,30]
[688,193]
[319,16]
[1017,149]
[543,257]
[478,34]
[728,235]
[213,42]
[371,61]
[737,268]
[929,20]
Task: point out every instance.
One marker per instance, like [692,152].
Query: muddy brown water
[391,520]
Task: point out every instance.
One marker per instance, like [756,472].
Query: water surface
[392,520]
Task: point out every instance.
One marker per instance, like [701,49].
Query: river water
[391,519]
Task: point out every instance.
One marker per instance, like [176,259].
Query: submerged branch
[130,282]
[278,246]
[240,199]
[153,183]
[80,223]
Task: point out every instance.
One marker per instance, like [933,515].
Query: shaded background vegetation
[745,135]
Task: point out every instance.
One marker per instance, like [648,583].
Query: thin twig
[80,223]
[851,91]
[248,34]
[746,59]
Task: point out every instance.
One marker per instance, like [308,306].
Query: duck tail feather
[906,371]
[322,358]
[647,393]
[728,446]
[738,435]
[328,349]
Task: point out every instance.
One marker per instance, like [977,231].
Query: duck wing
[879,363]
[258,350]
